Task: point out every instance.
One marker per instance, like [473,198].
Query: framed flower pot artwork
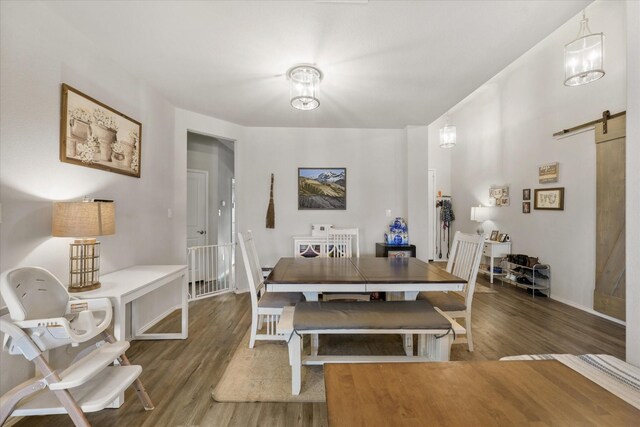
[95,135]
[549,199]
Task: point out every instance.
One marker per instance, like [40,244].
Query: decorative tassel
[271,211]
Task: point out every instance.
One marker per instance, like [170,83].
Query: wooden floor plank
[180,375]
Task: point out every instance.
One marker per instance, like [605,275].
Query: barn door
[609,294]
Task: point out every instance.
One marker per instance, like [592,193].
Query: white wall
[375,162]
[633,182]
[39,51]
[505,131]
[417,176]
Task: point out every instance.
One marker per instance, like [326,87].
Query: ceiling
[386,64]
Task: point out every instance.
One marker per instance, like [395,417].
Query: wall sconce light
[84,220]
[584,56]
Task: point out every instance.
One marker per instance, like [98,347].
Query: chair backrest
[341,242]
[466,252]
[33,293]
[251,265]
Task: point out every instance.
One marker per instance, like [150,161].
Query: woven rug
[482,289]
[263,374]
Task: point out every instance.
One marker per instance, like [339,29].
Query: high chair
[42,316]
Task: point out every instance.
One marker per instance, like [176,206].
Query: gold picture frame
[94,135]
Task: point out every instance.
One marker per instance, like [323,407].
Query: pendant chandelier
[447,135]
[584,56]
[304,82]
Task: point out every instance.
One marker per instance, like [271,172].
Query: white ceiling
[387,64]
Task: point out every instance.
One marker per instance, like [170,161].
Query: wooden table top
[358,270]
[487,393]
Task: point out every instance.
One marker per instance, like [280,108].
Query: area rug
[263,374]
[482,289]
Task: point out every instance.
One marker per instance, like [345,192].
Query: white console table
[126,286]
[493,250]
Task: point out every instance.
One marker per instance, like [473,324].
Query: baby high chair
[42,316]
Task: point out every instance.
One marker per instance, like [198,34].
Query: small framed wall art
[95,135]
[322,188]
[526,207]
[549,199]
[526,194]
[499,195]
[548,173]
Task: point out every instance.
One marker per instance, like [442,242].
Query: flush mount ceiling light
[304,82]
[447,135]
[584,56]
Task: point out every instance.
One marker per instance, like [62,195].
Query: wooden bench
[435,330]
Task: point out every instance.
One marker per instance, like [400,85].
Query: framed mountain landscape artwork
[322,188]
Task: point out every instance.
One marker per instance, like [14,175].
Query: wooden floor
[180,375]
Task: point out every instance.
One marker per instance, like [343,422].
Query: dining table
[399,278]
[403,276]
[480,393]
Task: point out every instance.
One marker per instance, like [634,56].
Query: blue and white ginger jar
[398,232]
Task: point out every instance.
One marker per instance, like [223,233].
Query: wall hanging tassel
[271,211]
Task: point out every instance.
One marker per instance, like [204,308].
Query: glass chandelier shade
[304,83]
[447,136]
[584,56]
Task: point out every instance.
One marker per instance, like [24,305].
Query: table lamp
[84,220]
[479,214]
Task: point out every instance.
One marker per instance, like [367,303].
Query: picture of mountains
[322,188]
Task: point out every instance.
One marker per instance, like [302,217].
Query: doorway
[210,215]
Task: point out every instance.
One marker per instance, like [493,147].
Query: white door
[197,202]
[431,197]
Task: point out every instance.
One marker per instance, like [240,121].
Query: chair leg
[254,330]
[467,325]
[68,402]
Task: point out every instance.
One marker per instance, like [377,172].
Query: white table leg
[491,270]
[315,341]
[408,338]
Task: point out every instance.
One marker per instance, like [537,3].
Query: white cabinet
[490,252]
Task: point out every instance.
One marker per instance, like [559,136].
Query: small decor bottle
[398,232]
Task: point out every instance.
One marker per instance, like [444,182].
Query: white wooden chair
[342,243]
[42,316]
[266,307]
[466,252]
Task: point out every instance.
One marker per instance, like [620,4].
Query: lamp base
[84,265]
[76,287]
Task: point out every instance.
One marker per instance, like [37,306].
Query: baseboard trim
[158,318]
[589,310]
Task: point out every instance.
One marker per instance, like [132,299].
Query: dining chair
[464,261]
[343,243]
[266,307]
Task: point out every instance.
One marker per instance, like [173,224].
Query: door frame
[206,201]
[432,213]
